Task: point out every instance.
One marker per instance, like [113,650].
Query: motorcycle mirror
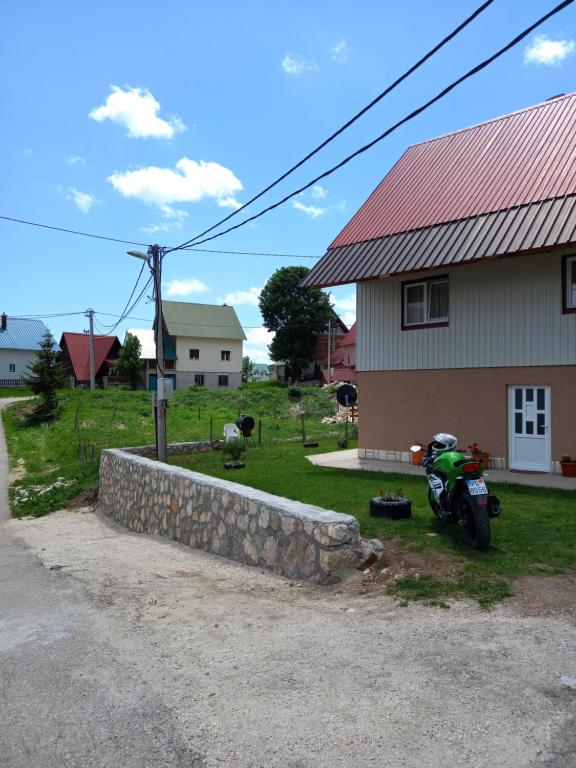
[415,448]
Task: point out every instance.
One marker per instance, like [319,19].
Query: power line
[72,231]
[390,130]
[132,293]
[146,245]
[45,317]
[124,315]
[350,122]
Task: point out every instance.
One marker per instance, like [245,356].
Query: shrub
[233,449]
[294,392]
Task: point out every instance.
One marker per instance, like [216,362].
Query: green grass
[15,392]
[116,418]
[536,533]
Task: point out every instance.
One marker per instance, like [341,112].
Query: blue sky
[149,121]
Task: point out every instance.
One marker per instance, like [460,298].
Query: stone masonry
[290,538]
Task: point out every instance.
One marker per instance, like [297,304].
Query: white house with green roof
[206,342]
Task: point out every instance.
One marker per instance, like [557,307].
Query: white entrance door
[529,428]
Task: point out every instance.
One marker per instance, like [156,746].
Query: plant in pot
[392,504]
[482,457]
[233,450]
[568,465]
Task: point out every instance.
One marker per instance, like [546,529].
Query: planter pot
[234,465]
[568,468]
[417,457]
[395,510]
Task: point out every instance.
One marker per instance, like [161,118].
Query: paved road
[68,697]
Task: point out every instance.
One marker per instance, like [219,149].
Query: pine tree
[46,377]
[129,362]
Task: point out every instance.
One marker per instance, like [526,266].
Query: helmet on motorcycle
[443,442]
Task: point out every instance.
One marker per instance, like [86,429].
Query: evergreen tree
[129,362]
[247,368]
[46,377]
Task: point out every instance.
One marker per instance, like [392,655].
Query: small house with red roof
[76,356]
[343,360]
[464,258]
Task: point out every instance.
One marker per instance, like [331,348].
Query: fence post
[211,429]
[259,431]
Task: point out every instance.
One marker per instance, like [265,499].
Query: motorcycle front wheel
[476,524]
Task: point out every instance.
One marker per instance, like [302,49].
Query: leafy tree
[247,368]
[298,316]
[129,363]
[46,376]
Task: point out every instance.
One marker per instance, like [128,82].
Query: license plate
[476,487]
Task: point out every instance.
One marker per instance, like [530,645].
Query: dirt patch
[544,596]
[397,562]
[86,498]
[17,472]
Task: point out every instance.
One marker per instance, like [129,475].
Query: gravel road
[252,670]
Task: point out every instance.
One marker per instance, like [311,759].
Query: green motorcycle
[457,491]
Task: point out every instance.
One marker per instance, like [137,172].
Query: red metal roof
[519,158]
[78,347]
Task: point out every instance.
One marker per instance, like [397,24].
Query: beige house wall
[400,408]
[210,355]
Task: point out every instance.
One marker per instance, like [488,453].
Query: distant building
[260,372]
[20,339]
[75,357]
[147,354]
[202,346]
[343,360]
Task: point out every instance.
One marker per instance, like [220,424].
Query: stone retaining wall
[225,518]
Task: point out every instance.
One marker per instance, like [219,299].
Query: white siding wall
[21,358]
[506,312]
[210,350]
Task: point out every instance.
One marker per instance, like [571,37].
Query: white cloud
[345,302]
[76,160]
[340,51]
[318,192]
[175,217]
[250,296]
[256,344]
[310,210]
[136,109]
[190,182]
[82,200]
[552,53]
[185,287]
[348,318]
[295,64]
[229,202]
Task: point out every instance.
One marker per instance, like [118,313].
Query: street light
[154,261]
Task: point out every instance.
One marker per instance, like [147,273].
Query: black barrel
[245,424]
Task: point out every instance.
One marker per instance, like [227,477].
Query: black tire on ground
[476,524]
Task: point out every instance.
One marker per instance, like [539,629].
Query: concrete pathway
[349,460]
[68,697]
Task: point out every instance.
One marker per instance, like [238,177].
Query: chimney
[3,321]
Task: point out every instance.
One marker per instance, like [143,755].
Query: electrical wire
[73,231]
[45,317]
[352,120]
[145,245]
[393,128]
[125,314]
[133,292]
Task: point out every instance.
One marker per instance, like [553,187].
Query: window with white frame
[569,281]
[425,302]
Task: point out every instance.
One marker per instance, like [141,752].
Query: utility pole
[90,315]
[156,254]
[329,349]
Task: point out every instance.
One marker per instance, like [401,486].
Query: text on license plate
[476,487]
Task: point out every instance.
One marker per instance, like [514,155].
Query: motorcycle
[457,491]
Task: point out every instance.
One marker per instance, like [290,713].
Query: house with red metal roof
[464,258]
[343,360]
[76,356]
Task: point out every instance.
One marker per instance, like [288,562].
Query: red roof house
[453,334]
[343,360]
[76,355]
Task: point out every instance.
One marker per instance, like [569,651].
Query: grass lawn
[47,458]
[536,533]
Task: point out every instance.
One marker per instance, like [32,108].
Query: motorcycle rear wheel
[476,524]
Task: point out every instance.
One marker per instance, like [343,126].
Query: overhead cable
[394,127]
[350,122]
